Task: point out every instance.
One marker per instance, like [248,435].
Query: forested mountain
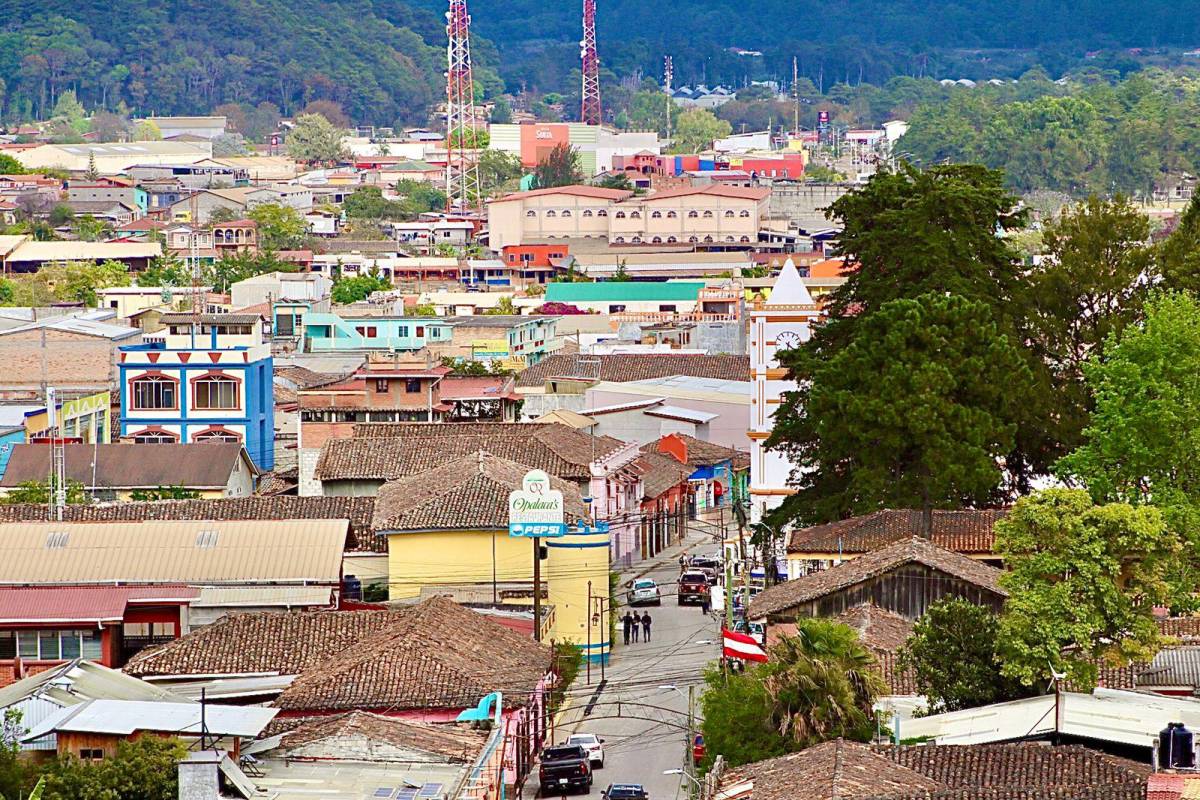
[843,40]
[382,60]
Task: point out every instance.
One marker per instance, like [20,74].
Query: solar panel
[407,793]
[430,790]
[384,791]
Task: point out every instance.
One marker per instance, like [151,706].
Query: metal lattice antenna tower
[462,129]
[668,76]
[590,113]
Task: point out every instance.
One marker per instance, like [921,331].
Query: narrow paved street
[643,722]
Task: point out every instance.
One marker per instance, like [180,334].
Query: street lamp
[688,750]
[684,774]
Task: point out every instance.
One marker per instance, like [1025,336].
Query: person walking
[646,626]
[627,620]
[683,560]
[705,605]
[635,627]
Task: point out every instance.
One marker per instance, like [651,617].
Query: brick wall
[71,361]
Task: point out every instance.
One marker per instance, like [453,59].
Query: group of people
[632,622]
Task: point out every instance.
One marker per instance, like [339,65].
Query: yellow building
[85,418]
[577,567]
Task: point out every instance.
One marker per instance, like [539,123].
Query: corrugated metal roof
[264,551]
[260,596]
[123,717]
[627,291]
[83,251]
[77,681]
[90,604]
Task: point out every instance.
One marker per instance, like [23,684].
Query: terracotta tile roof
[592,192]
[303,377]
[706,454]
[1182,628]
[356,509]
[784,596]
[636,367]
[878,629]
[437,655]
[468,493]
[663,473]
[387,451]
[129,466]
[285,643]
[454,743]
[735,192]
[961,531]
[1020,771]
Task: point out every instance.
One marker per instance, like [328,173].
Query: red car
[698,748]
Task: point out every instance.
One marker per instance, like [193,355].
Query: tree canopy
[314,139]
[559,167]
[359,287]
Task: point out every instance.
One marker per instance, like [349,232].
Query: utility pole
[691,737]
[796,97]
[537,588]
[669,73]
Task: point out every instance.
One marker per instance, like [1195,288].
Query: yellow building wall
[84,412]
[454,557]
[572,561]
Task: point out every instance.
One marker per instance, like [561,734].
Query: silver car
[645,592]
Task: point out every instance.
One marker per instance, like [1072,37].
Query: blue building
[211,385]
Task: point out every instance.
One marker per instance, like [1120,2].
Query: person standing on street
[705,606]
[646,626]
[683,562]
[627,620]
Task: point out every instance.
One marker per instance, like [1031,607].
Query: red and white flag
[743,646]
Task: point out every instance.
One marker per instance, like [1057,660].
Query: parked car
[645,592]
[625,791]
[711,574]
[708,562]
[693,587]
[564,767]
[594,746]
[755,629]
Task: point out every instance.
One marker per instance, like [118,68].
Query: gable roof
[968,531]
[878,628]
[357,510]
[591,192]
[663,473]
[565,416]
[622,368]
[453,743]
[851,771]
[715,189]
[387,451]
[130,466]
[275,643]
[438,654]
[706,454]
[468,493]
[79,680]
[202,552]
[784,596]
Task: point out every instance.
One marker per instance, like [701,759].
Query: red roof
[75,604]
[737,192]
[475,388]
[142,224]
[594,192]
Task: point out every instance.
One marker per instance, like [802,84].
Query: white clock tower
[782,321]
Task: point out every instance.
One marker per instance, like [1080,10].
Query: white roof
[15,415]
[789,288]
[124,717]
[83,251]
[1110,715]
[685,414]
[81,325]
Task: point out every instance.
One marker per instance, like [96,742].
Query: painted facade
[84,419]
[575,564]
[199,394]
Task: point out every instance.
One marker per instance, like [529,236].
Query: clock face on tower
[787,339]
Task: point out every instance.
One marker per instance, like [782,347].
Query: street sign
[535,510]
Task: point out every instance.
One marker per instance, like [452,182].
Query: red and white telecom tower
[462,129]
[590,113]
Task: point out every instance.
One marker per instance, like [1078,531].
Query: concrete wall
[728,429]
[804,204]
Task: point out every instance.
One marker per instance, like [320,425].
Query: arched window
[531,213]
[551,214]
[708,239]
[745,214]
[671,215]
[693,239]
[620,215]
[656,215]
[154,392]
[656,240]
[637,240]
[566,213]
[620,240]
[635,215]
[692,215]
[708,215]
[155,437]
[215,392]
[587,212]
[745,238]
[729,214]
[729,238]
[671,240]
[217,435]
[602,213]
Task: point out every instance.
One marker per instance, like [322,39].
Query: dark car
[625,791]
[564,767]
[693,587]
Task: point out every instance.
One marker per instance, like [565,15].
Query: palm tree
[822,683]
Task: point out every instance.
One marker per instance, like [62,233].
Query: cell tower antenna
[795,97]
[590,111]
[462,129]
[668,76]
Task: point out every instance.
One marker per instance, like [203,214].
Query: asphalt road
[643,724]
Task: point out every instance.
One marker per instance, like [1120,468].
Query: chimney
[199,776]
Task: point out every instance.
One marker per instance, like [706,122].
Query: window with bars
[156,437]
[217,436]
[216,393]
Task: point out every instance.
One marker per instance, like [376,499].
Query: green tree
[352,290]
[559,167]
[1178,257]
[38,493]
[499,171]
[6,292]
[315,139]
[819,684]
[60,215]
[1082,580]
[166,270]
[615,180]
[10,166]
[90,229]
[424,310]
[367,202]
[819,173]
[914,412]
[503,308]
[953,658]
[1141,445]
[648,111]
[234,267]
[164,493]
[696,129]
[71,111]
[279,227]
[142,769]
[419,197]
[620,274]
[501,111]
[147,131]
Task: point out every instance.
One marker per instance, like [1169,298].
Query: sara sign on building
[535,509]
